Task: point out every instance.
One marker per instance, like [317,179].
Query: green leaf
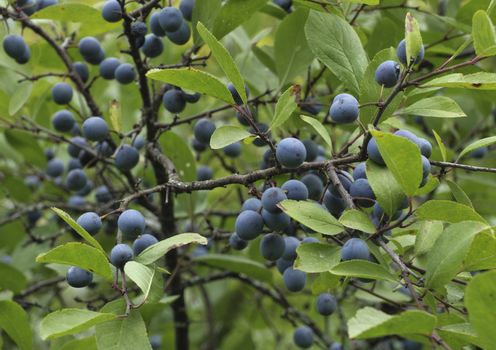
[291,51]
[205,12]
[477,81]
[15,322]
[437,107]
[442,147]
[366,2]
[141,275]
[265,58]
[128,333]
[284,107]
[237,264]
[233,13]
[193,79]
[363,269]
[224,59]
[460,331]
[445,259]
[428,233]
[459,194]
[226,135]
[20,97]
[402,158]
[371,92]
[70,321]
[115,115]
[482,253]
[448,211]
[478,144]
[12,278]
[480,295]
[317,257]
[386,189]
[319,128]
[371,323]
[358,220]
[157,250]
[413,38]
[312,216]
[79,254]
[178,151]
[27,146]
[483,34]
[79,230]
[89,18]
[80,344]
[337,45]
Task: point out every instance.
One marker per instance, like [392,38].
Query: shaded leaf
[477,144]
[14,321]
[362,269]
[237,264]
[386,189]
[316,257]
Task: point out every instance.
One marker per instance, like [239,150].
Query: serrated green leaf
[79,254]
[371,323]
[237,264]
[127,333]
[437,107]
[479,295]
[445,259]
[448,211]
[402,157]
[319,128]
[337,45]
[358,220]
[482,253]
[224,59]
[317,257]
[193,79]
[70,321]
[312,215]
[363,269]
[157,250]
[285,105]
[79,230]
[227,135]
